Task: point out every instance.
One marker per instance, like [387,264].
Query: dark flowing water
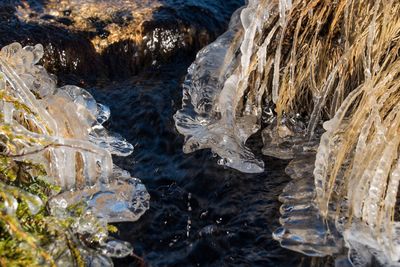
[201,213]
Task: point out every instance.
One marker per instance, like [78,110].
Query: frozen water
[61,129]
[285,67]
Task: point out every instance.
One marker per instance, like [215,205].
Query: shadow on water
[201,213]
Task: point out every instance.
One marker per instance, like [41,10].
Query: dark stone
[176,27]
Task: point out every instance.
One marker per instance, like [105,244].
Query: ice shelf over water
[320,80]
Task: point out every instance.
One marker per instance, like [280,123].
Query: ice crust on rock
[61,129]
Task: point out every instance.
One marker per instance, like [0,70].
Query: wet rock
[66,52]
[96,40]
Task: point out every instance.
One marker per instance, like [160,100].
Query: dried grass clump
[340,61]
[291,66]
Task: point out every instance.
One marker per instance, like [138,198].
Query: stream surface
[201,214]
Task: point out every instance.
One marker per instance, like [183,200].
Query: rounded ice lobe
[63,131]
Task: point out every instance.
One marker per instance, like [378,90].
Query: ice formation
[207,118]
[284,67]
[61,129]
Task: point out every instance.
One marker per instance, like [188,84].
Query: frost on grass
[284,68]
[57,170]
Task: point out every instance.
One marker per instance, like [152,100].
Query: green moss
[39,239]
[17,104]
[8,169]
[12,254]
[24,237]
